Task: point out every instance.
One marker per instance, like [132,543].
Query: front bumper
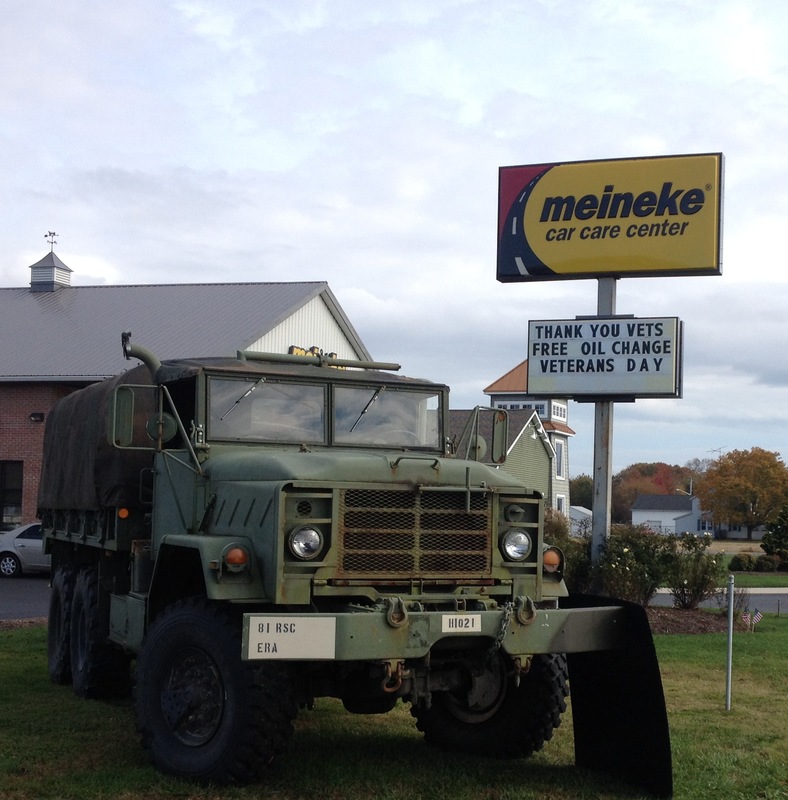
[381,635]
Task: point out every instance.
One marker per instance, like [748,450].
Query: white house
[668,513]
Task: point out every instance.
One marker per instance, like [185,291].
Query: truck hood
[357,466]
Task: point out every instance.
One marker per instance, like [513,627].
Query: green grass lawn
[761,580]
[54,745]
[750,580]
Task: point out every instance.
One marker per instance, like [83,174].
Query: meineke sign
[620,218]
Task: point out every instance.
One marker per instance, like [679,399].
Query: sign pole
[603,441]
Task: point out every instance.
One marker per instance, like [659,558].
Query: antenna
[717,450]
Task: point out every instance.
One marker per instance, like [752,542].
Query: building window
[560,468]
[10,494]
[558,411]
[560,504]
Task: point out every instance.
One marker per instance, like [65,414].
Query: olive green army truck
[260,531]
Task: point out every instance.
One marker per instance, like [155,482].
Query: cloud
[359,143]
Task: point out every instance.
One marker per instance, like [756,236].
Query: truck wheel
[98,668]
[202,712]
[58,634]
[495,717]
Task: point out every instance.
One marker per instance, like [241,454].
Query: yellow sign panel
[624,218]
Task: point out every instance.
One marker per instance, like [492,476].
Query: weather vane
[50,237]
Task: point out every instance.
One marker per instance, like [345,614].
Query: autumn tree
[645,478]
[694,470]
[744,487]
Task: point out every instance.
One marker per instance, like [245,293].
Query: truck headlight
[306,542]
[516,544]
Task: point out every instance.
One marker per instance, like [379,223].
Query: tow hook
[392,682]
[525,610]
[396,613]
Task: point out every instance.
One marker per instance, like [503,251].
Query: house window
[560,469]
[10,494]
[558,411]
[560,504]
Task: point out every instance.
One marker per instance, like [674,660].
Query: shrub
[633,564]
[742,562]
[577,551]
[556,527]
[775,540]
[767,563]
[578,573]
[741,601]
[693,574]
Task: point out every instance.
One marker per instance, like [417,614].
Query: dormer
[49,274]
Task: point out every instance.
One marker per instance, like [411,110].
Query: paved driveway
[25,597]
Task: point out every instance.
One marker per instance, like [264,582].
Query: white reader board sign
[605,357]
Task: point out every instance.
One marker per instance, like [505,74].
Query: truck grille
[414,534]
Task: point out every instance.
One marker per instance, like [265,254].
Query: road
[28,596]
[768,601]
[25,597]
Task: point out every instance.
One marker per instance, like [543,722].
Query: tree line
[742,487]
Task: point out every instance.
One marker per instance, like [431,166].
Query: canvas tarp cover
[81,469]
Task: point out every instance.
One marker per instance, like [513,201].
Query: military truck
[261,531]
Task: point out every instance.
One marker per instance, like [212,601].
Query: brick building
[58,338]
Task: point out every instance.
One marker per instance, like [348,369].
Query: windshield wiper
[367,407]
[245,394]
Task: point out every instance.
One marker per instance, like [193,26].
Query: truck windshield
[269,410]
[265,410]
[386,416]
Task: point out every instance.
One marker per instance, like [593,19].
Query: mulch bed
[680,620]
[13,624]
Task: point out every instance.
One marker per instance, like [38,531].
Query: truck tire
[202,712]
[98,667]
[500,719]
[59,624]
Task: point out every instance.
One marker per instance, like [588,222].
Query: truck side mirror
[500,436]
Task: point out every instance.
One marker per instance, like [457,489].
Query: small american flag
[756,617]
[746,617]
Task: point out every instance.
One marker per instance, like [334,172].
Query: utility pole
[603,441]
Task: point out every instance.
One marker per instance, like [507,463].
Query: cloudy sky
[358,142]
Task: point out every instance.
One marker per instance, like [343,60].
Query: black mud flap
[618,706]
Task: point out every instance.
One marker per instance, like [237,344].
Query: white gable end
[313,325]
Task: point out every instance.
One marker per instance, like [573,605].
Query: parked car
[22,550]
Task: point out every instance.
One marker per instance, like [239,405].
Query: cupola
[49,274]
